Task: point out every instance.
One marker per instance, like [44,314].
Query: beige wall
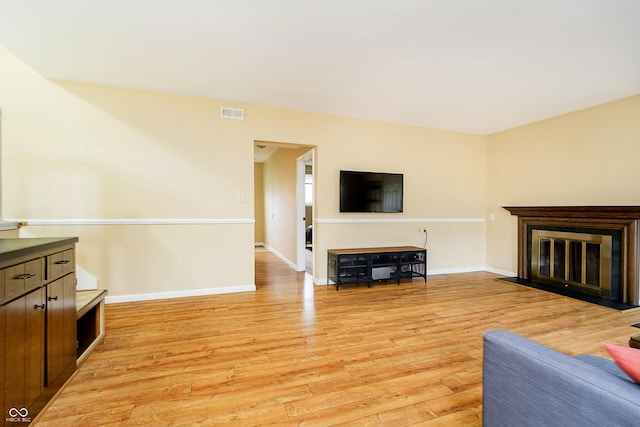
[258,186]
[281,203]
[589,157]
[144,261]
[160,189]
[444,182]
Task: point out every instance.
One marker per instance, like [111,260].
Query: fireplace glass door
[580,261]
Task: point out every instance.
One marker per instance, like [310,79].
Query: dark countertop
[13,248]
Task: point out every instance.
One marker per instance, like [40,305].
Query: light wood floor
[295,354]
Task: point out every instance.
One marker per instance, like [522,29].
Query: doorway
[304,185]
[282,212]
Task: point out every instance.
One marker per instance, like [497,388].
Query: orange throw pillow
[627,358]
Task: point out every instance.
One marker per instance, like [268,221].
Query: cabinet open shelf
[89,321]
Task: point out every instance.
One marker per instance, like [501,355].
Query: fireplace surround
[590,250]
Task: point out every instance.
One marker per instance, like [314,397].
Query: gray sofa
[528,384]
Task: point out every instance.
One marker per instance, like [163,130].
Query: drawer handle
[64,261]
[25,276]
[53,298]
[37,306]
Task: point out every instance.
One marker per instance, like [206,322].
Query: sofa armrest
[528,384]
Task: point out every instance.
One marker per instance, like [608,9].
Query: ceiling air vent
[232,113]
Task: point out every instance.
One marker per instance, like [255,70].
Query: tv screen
[370,191]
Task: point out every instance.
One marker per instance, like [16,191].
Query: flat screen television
[370,191]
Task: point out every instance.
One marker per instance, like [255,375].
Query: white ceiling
[477,66]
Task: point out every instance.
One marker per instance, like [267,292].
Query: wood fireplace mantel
[625,219]
[607,212]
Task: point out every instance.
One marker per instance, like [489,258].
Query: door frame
[300,205]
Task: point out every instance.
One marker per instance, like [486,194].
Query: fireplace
[590,250]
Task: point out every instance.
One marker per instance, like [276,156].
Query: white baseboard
[501,272]
[455,270]
[282,257]
[178,294]
[252,288]
[471,270]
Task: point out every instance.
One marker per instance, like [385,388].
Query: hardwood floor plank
[296,354]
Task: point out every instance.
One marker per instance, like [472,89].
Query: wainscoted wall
[161,259]
[8,234]
[464,236]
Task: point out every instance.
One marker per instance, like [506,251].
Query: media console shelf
[360,265]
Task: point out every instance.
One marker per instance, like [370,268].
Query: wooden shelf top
[349,251]
[86,300]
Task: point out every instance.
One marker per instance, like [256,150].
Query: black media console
[360,265]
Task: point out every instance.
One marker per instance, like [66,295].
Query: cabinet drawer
[21,278]
[60,263]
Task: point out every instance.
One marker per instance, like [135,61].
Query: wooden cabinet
[37,324]
[360,265]
[3,323]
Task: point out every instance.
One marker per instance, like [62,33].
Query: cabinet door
[15,347]
[61,327]
[2,286]
[34,350]
[3,322]
[24,350]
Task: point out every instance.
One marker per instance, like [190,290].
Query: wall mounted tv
[370,191]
